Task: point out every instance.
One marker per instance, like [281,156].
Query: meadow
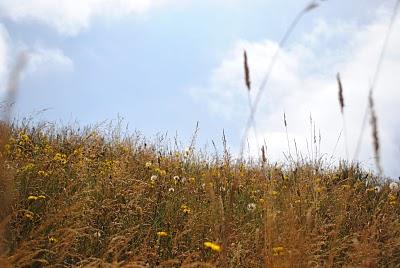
[93,198]
[97,197]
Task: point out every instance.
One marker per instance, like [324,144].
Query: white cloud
[41,59]
[48,60]
[304,82]
[71,17]
[4,47]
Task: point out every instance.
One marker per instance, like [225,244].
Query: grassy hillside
[80,198]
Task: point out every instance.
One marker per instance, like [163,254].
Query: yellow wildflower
[148,164]
[392,199]
[274,193]
[162,234]
[24,138]
[52,239]
[62,158]
[41,197]
[29,215]
[319,189]
[32,197]
[278,251]
[346,187]
[42,173]
[186,209]
[212,246]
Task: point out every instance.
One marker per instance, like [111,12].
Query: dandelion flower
[32,197]
[162,234]
[52,239]
[212,246]
[41,197]
[186,209]
[278,251]
[251,207]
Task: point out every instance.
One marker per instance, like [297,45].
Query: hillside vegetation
[75,197]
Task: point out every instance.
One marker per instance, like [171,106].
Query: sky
[163,65]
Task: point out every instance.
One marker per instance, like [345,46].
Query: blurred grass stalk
[7,189]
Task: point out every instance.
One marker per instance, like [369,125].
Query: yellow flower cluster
[61,158]
[28,167]
[23,138]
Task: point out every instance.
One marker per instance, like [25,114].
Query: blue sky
[164,65]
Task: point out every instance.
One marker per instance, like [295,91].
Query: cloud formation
[4,39]
[40,59]
[71,17]
[304,82]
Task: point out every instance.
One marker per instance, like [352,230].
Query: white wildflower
[394,186]
[153,178]
[251,207]
[176,179]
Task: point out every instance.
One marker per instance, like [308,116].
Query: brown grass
[88,199]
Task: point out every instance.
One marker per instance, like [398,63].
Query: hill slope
[80,199]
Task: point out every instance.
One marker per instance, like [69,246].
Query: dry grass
[94,200]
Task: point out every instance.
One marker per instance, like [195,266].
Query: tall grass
[90,198]
[85,198]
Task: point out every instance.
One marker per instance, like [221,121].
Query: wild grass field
[96,197]
[81,197]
